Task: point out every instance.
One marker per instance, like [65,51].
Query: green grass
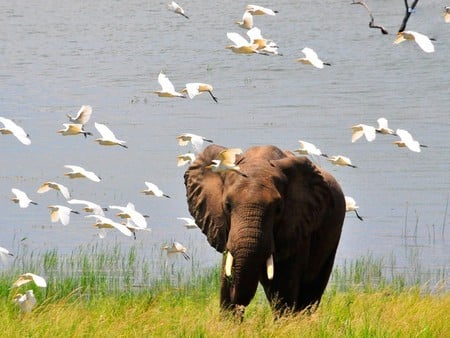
[93,292]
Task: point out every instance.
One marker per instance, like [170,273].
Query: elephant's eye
[227,206]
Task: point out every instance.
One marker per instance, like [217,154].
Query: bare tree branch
[409,11]
[371,22]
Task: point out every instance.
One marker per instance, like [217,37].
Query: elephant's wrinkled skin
[284,206]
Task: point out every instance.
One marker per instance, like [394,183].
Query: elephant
[277,222]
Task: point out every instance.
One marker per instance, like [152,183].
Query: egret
[263,45]
[350,205]
[447,14]
[247,21]
[177,247]
[241,45]
[60,213]
[46,186]
[174,7]
[259,10]
[107,136]
[103,222]
[186,158]
[89,206]
[152,189]
[167,88]
[26,302]
[311,58]
[226,161]
[79,172]
[130,212]
[189,223]
[195,88]
[4,253]
[359,130]
[422,40]
[21,198]
[196,141]
[83,115]
[307,148]
[71,129]
[383,127]
[30,277]
[406,140]
[10,127]
[340,160]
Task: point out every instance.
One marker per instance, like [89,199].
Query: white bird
[107,136]
[26,301]
[259,10]
[130,212]
[406,140]
[247,21]
[341,161]
[71,129]
[196,141]
[350,205]
[422,40]
[241,45]
[311,58]
[10,127]
[195,88]
[225,161]
[83,115]
[167,88]
[359,130]
[30,277]
[383,127]
[174,7]
[447,14]
[60,213]
[79,172]
[4,253]
[134,227]
[152,189]
[177,247]
[89,206]
[307,148]
[186,158]
[263,45]
[107,223]
[189,223]
[46,186]
[21,198]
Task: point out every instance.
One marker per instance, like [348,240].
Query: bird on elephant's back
[279,224]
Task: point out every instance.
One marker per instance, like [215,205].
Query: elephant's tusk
[228,264]
[270,267]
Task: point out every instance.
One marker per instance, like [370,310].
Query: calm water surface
[108,54]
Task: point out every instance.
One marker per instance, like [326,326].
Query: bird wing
[228,156]
[152,187]
[64,214]
[165,83]
[309,53]
[259,10]
[192,89]
[43,188]
[357,132]
[21,196]
[404,135]
[97,209]
[369,132]
[254,34]
[74,168]
[423,42]
[104,131]
[83,115]
[16,130]
[237,39]
[63,189]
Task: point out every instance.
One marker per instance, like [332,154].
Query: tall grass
[103,291]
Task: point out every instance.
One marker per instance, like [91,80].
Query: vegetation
[104,292]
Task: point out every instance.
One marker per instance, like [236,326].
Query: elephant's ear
[204,196]
[309,197]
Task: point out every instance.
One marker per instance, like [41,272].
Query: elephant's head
[260,218]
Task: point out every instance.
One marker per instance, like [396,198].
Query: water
[108,54]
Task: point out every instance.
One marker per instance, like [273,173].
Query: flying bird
[447,14]
[21,198]
[383,127]
[226,161]
[11,128]
[30,277]
[107,136]
[262,44]
[195,88]
[259,10]
[246,22]
[241,45]
[46,186]
[359,130]
[60,213]
[90,207]
[189,223]
[167,88]
[311,58]
[25,302]
[340,160]
[307,148]
[79,172]
[4,253]
[406,140]
[196,141]
[174,7]
[130,212]
[72,129]
[103,222]
[177,247]
[152,189]
[423,41]
[350,205]
[186,158]
[83,115]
